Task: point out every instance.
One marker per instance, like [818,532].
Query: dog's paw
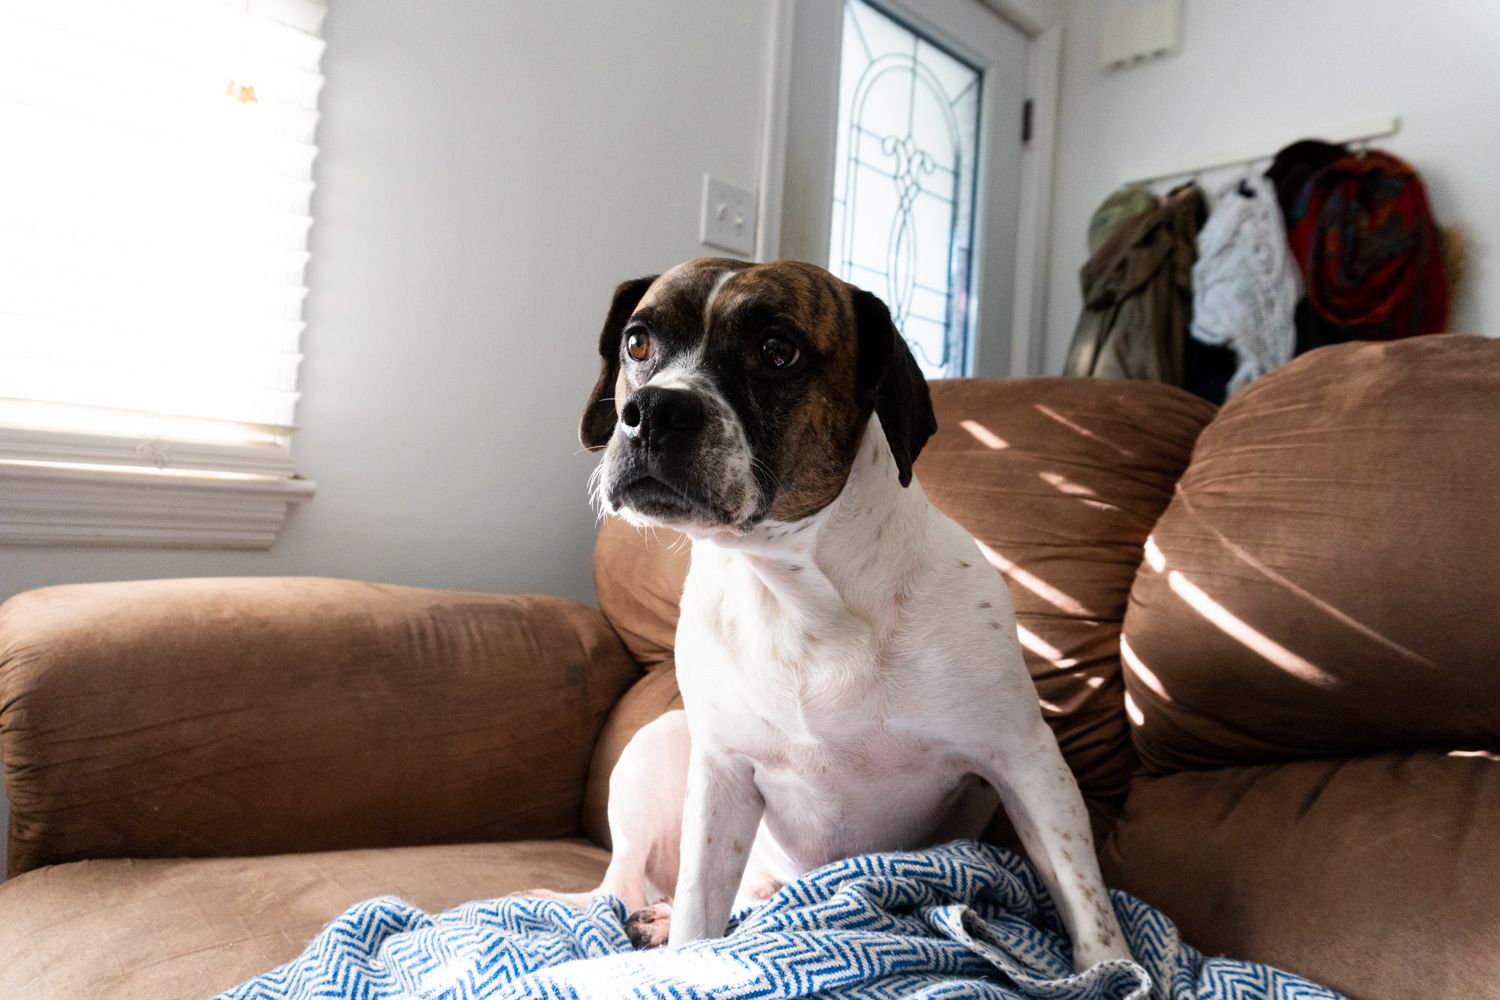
[649,926]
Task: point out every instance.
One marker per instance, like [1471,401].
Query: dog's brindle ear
[890,379]
[598,421]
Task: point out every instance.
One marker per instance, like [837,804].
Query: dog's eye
[778,352]
[638,345]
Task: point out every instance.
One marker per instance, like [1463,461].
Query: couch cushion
[638,579]
[1061,481]
[186,929]
[1323,581]
[1374,875]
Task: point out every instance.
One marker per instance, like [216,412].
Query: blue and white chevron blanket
[962,920]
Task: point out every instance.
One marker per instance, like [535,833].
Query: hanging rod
[1350,133]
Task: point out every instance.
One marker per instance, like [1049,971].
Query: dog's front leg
[1041,798]
[719,821]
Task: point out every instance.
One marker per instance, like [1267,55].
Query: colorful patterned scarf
[1369,249]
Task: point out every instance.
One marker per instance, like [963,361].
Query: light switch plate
[728,217]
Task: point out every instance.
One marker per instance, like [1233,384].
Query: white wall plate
[728,220]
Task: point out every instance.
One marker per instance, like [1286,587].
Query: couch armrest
[268,715]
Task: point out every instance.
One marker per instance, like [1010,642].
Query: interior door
[903,157]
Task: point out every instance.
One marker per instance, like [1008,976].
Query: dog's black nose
[654,415]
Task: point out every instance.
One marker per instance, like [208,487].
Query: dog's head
[732,393]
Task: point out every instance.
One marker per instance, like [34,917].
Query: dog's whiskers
[763,467]
[596,493]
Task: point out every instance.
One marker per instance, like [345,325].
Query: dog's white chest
[822,701]
[771,659]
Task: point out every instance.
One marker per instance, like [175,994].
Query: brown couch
[1263,636]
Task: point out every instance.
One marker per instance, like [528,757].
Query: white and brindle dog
[848,661]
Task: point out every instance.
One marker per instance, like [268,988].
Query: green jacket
[1138,296]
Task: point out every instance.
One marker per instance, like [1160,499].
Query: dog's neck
[859,550]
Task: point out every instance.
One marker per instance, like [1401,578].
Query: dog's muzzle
[659,418]
[671,463]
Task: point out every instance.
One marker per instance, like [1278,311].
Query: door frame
[796,192]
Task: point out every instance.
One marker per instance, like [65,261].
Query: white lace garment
[1245,283]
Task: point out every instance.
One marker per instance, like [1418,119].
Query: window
[153,242]
[904,177]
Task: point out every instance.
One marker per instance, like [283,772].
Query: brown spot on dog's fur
[985,604]
[622,390]
[964,564]
[687,286]
[995,625]
[829,416]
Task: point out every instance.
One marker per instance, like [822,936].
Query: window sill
[57,503]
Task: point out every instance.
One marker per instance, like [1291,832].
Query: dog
[848,662]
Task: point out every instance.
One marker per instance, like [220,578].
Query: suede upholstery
[638,579]
[184,929]
[1261,635]
[1375,875]
[190,718]
[1318,584]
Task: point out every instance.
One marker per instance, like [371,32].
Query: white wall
[1252,70]
[489,171]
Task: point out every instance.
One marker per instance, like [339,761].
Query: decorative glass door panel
[904,181]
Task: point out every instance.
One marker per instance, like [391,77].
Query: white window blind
[156,179]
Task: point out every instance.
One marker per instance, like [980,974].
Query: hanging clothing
[1138,295]
[1313,331]
[1295,165]
[1245,285]
[1119,208]
[1209,367]
[1369,250]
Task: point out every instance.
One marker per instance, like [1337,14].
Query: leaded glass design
[903,189]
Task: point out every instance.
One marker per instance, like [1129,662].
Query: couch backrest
[1327,578]
[1060,480]
[638,579]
